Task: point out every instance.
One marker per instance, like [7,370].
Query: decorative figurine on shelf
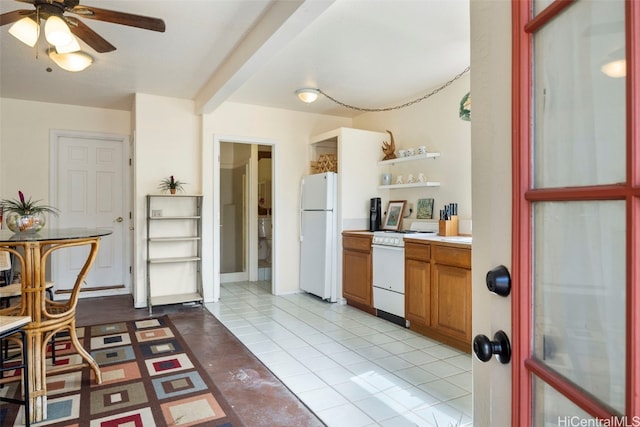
[389,149]
[171,185]
[26,215]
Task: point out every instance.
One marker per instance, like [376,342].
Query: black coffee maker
[375,214]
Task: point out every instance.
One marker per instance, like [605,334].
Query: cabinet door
[417,292]
[451,301]
[356,276]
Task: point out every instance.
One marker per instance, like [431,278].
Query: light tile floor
[349,367]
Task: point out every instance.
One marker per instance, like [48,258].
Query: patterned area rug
[150,378]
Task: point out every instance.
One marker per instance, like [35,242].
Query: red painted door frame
[524,365]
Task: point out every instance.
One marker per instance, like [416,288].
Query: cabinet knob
[484,348]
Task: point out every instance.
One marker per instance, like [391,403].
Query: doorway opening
[265,213]
[246,211]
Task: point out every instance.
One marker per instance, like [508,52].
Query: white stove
[396,238]
[388,270]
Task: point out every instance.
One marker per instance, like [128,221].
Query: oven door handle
[387,247]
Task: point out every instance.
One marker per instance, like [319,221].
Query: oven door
[388,279]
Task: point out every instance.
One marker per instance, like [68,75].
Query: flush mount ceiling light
[615,69]
[73,61]
[307,95]
[615,65]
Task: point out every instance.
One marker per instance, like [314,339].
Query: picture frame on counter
[395,213]
[425,209]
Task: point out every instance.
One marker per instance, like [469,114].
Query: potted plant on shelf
[26,215]
[171,185]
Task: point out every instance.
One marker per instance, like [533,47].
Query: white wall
[24,140]
[167,142]
[290,131]
[434,123]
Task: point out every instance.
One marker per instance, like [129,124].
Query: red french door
[576,217]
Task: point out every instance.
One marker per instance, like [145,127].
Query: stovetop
[396,237]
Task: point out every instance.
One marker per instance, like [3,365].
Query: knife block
[448,227]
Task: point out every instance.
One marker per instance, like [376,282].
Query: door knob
[500,346]
[119,219]
[499,281]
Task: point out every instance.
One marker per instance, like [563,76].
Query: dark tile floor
[256,395]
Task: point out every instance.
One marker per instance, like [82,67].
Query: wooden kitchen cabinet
[417,274]
[438,291]
[357,284]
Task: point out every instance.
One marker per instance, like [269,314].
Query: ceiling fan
[45,9]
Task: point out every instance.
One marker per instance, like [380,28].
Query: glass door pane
[579,280]
[579,111]
[552,409]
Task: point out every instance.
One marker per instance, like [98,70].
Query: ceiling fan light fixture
[72,46]
[57,32]
[307,95]
[74,61]
[26,30]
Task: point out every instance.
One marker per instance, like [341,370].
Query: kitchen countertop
[459,240]
[464,241]
[357,232]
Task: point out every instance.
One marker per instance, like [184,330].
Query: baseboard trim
[94,289]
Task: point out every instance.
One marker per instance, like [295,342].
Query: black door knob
[484,348]
[499,281]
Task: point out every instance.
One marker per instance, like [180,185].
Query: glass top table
[53,234]
[32,252]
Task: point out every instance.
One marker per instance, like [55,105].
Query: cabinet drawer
[417,251]
[452,256]
[362,244]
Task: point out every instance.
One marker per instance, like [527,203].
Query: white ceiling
[369,53]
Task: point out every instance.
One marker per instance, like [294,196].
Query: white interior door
[89,187]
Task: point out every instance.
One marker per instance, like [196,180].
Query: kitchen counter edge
[422,239]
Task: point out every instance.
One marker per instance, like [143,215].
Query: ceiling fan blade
[122,18]
[16,15]
[90,37]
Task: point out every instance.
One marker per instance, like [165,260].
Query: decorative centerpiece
[171,185]
[389,148]
[26,215]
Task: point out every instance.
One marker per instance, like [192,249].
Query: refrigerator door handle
[300,227]
[300,210]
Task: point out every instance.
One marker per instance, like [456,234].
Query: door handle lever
[484,348]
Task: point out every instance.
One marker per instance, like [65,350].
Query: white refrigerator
[318,235]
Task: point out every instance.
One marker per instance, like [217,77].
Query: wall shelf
[409,158]
[413,185]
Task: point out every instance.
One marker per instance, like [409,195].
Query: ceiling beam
[282,22]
